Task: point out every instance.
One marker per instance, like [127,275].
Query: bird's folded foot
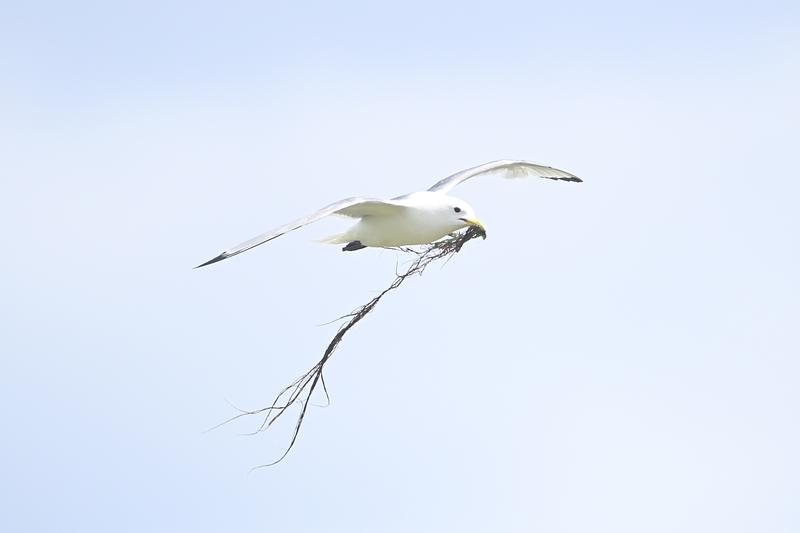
[353,246]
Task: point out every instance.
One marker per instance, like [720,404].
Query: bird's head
[461,214]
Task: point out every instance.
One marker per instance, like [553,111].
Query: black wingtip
[575,179]
[220,257]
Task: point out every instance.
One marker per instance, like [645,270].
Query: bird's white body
[416,218]
[424,217]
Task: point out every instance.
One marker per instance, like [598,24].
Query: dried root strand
[301,389]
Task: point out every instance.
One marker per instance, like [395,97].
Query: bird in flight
[417,218]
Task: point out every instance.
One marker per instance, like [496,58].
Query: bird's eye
[457,209]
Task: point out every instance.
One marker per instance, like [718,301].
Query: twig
[301,389]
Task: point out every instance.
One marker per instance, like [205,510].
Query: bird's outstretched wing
[351,207]
[512,169]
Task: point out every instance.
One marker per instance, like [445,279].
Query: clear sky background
[618,356]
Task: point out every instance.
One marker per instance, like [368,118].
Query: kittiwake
[417,218]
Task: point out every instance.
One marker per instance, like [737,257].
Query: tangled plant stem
[301,389]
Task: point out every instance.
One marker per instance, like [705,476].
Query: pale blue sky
[618,356]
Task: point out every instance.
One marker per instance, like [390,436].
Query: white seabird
[417,218]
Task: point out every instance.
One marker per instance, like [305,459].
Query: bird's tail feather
[339,238]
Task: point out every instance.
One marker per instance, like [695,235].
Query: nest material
[301,389]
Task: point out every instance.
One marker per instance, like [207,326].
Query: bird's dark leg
[353,246]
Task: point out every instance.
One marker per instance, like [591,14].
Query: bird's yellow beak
[475,222]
